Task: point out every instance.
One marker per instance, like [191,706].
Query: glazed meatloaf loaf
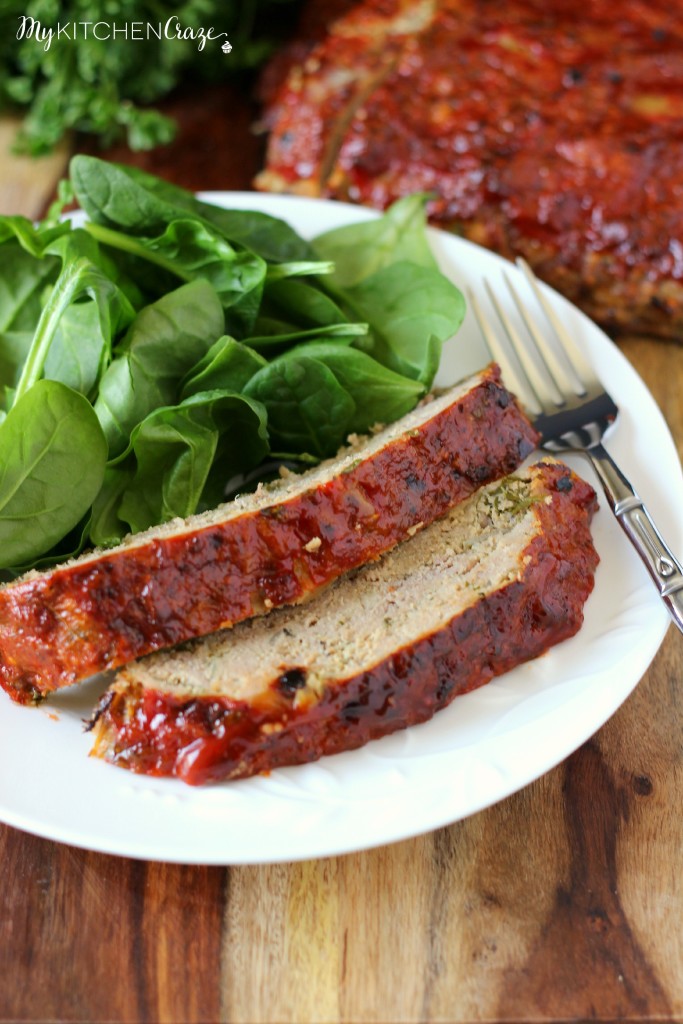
[541,129]
[498,580]
[188,578]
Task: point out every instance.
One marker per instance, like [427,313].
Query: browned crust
[313,22]
[321,95]
[207,739]
[74,621]
[539,133]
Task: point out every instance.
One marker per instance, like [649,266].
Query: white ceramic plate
[482,748]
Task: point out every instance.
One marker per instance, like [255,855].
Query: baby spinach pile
[167,345]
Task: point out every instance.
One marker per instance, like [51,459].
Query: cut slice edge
[278,546]
[325,95]
[495,582]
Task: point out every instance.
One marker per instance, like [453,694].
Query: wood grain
[87,937]
[217,145]
[660,365]
[27,184]
[575,879]
[563,902]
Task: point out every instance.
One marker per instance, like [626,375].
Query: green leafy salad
[167,346]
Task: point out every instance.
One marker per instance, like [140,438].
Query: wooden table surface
[563,902]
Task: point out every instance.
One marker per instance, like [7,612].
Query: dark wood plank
[88,937]
[217,146]
[560,903]
[614,921]
[27,184]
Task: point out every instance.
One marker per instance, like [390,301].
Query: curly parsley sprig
[105,86]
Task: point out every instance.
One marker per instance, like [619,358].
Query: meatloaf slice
[323,94]
[539,131]
[498,580]
[188,578]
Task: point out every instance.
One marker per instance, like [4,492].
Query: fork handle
[638,525]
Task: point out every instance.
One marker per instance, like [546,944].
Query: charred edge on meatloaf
[208,738]
[101,612]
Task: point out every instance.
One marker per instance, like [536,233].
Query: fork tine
[575,361]
[564,381]
[506,358]
[538,371]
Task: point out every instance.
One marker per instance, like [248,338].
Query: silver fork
[572,411]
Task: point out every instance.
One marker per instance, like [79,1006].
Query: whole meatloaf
[541,128]
[497,581]
[277,546]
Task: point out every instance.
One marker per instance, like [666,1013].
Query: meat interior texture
[542,129]
[497,581]
[277,546]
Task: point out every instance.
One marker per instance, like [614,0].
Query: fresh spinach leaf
[411,310]
[175,448]
[299,268]
[80,275]
[270,237]
[227,366]
[166,339]
[56,211]
[308,409]
[273,239]
[386,274]
[181,407]
[52,460]
[380,395]
[80,349]
[277,335]
[301,303]
[70,546]
[360,250]
[173,458]
[14,347]
[112,197]
[120,197]
[22,280]
[190,250]
[34,239]
[106,529]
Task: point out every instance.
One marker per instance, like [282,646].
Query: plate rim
[148,850]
